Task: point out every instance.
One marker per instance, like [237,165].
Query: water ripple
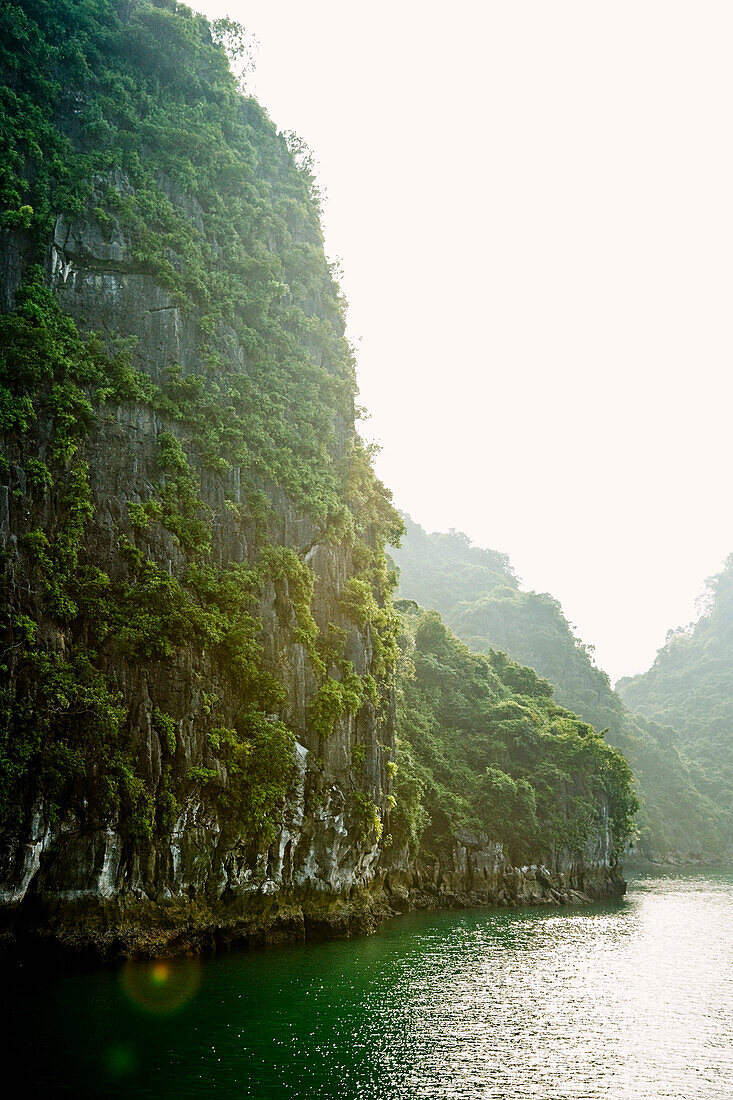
[630,1000]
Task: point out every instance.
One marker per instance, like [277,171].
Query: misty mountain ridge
[690,685]
[684,814]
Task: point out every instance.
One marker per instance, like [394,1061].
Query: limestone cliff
[76,858]
[198,706]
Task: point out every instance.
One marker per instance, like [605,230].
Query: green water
[633,999]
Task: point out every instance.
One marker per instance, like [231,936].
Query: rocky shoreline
[98,932]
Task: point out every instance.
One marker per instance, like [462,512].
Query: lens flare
[159,973]
[161,988]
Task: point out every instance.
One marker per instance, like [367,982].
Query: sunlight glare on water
[627,1000]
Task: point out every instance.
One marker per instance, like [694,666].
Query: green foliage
[19,219]
[522,680]
[260,769]
[45,367]
[479,596]
[412,781]
[165,726]
[38,476]
[284,568]
[690,688]
[180,509]
[250,265]
[128,117]
[334,700]
[504,801]
[62,730]
[198,774]
[475,754]
[359,604]
[368,815]
[140,515]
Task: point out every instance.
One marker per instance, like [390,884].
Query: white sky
[533,204]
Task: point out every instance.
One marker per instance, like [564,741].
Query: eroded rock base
[87,931]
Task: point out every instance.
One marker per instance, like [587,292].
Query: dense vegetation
[126,115]
[690,688]
[119,112]
[122,117]
[484,748]
[480,598]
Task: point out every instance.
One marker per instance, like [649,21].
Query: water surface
[633,999]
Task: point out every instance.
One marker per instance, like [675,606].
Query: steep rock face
[84,882]
[322,849]
[477,872]
[198,707]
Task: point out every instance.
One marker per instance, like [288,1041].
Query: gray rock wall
[83,885]
[321,850]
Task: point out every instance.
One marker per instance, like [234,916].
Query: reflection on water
[630,1000]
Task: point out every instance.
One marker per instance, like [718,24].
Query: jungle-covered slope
[690,688]
[682,815]
[483,748]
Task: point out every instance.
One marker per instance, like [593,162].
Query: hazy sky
[533,204]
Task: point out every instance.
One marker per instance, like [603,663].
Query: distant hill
[690,687]
[478,594]
[483,749]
